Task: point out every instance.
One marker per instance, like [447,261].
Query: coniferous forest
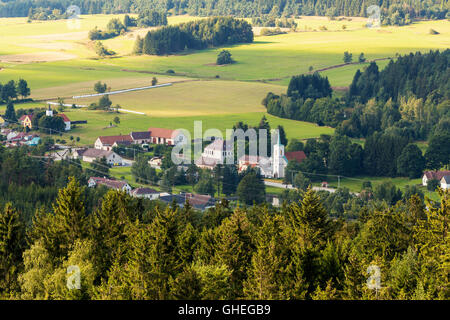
[211,32]
[127,248]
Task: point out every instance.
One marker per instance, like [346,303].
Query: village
[105,150]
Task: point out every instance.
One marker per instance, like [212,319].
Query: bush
[432,184]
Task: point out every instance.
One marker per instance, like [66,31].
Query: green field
[99,121]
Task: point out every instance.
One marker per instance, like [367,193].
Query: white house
[112,184]
[111,157]
[433,175]
[445,182]
[145,193]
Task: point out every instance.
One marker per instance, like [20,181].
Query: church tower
[49,112]
[278,159]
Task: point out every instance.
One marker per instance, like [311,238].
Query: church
[273,167]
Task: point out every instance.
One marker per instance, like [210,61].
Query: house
[112,184]
[26,120]
[165,136]
[148,193]
[433,175]
[324,184]
[106,142]
[111,157]
[140,137]
[218,152]
[445,182]
[199,201]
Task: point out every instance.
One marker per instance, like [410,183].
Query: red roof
[22,118]
[109,140]
[299,156]
[62,115]
[162,133]
[438,175]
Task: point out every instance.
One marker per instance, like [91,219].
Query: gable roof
[22,118]
[109,140]
[114,184]
[438,175]
[162,132]
[96,153]
[446,179]
[140,135]
[62,115]
[142,191]
[299,156]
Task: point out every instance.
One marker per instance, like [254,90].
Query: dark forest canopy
[399,11]
[409,97]
[199,34]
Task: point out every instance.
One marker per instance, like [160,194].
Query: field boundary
[121,91]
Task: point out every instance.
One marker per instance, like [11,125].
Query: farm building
[112,184]
[106,142]
[165,136]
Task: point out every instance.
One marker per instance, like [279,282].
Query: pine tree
[267,275]
[107,227]
[310,220]
[10,113]
[11,248]
[233,249]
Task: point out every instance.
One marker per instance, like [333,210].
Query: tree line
[200,34]
[396,11]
